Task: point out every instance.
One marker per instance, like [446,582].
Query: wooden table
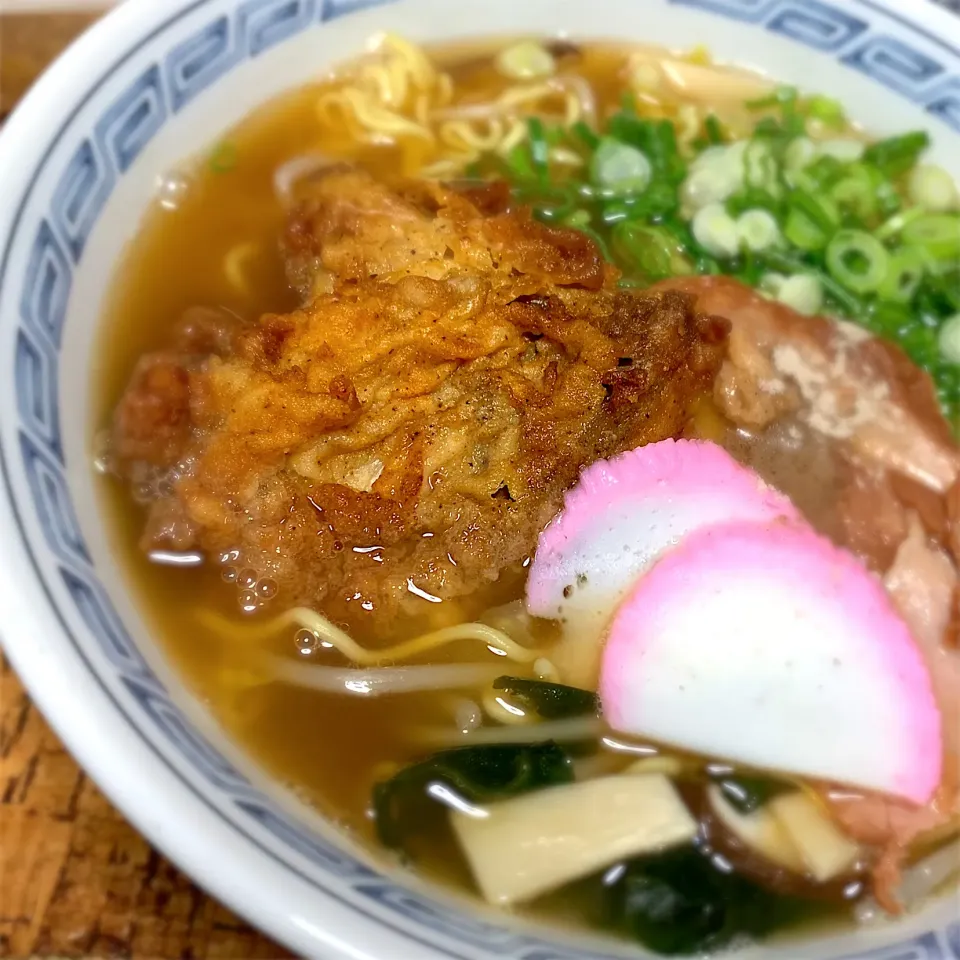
[76,880]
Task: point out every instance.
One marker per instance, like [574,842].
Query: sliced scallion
[949,339]
[844,149]
[586,135]
[519,164]
[758,230]
[857,260]
[895,224]
[716,231]
[620,167]
[647,249]
[526,60]
[539,148]
[856,193]
[801,231]
[904,275]
[771,283]
[800,152]
[713,129]
[803,293]
[896,155]
[938,234]
[827,110]
[932,188]
[759,166]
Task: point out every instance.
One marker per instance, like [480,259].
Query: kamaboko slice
[618,520]
[766,645]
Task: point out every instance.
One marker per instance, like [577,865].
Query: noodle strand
[326,632]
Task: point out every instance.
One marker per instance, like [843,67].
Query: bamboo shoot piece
[825,850]
[760,831]
[521,848]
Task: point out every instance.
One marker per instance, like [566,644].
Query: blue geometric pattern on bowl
[85,184]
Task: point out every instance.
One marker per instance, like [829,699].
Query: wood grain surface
[76,880]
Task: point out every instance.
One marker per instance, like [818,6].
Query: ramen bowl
[80,162]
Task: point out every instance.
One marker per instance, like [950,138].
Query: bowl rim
[91,734]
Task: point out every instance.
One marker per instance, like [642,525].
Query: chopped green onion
[888,198]
[768,127]
[586,135]
[615,212]
[745,200]
[938,234]
[800,153]
[836,293]
[647,249]
[856,194]
[949,339]
[806,219]
[716,231]
[770,283]
[715,175]
[578,219]
[819,210]
[526,60]
[939,294]
[857,260]
[519,164]
[758,230]
[844,149]
[823,172]
[932,188]
[539,149]
[803,233]
[827,110]
[658,200]
[803,293]
[791,263]
[811,220]
[655,139]
[665,154]
[897,155]
[590,192]
[888,319]
[713,129]
[619,167]
[892,227]
[904,275]
[760,167]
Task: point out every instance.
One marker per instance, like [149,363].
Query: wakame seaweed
[477,774]
[679,902]
[550,701]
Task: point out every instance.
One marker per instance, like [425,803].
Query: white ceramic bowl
[156,81]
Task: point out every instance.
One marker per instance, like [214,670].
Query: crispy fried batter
[413,426]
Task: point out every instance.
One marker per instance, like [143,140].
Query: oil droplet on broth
[306,642]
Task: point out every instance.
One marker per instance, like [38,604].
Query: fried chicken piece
[408,432]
